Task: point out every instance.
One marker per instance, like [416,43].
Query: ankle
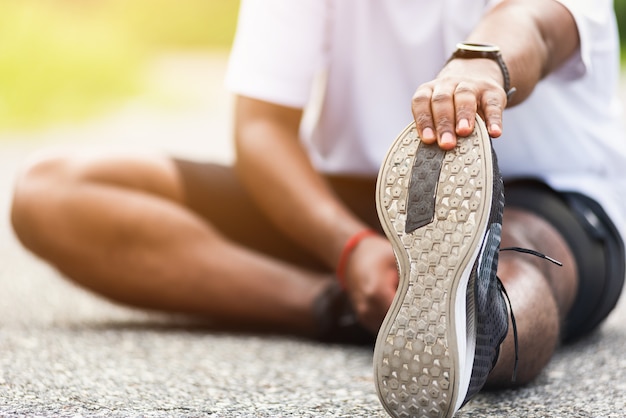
[335,319]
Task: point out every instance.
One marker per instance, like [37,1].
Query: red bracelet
[350,245]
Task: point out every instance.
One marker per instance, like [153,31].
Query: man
[262,244]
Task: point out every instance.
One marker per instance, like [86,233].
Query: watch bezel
[471,47]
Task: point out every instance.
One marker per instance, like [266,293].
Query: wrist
[471,51]
[347,251]
[475,67]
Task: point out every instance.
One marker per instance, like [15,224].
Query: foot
[336,320]
[442,212]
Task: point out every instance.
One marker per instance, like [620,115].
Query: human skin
[535,36]
[95,217]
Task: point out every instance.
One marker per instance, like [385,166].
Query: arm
[275,169]
[535,37]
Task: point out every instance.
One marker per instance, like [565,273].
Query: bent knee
[47,182]
[37,180]
[33,192]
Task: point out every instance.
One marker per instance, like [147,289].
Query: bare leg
[541,294]
[119,227]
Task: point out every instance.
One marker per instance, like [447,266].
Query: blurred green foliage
[620,12]
[64,60]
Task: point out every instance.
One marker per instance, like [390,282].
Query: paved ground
[66,353]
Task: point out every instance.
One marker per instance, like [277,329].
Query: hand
[446,107]
[372,280]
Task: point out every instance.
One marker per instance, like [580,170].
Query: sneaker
[442,212]
[336,320]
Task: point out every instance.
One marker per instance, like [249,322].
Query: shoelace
[503,290]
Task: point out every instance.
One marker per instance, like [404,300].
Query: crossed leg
[120,227]
[541,294]
[132,229]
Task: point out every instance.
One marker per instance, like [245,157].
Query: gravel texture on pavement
[68,353]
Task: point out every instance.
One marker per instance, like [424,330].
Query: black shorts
[214,192]
[594,241]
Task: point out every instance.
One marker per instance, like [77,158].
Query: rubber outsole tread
[416,357]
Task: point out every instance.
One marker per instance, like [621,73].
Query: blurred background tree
[66,60]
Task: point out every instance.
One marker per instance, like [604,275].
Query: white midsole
[466,338]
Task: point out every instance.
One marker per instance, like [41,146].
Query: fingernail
[494,129]
[447,138]
[428,133]
[463,124]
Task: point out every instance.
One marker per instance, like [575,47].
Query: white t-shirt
[354,65]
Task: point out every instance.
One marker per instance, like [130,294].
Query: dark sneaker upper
[490,310]
[336,320]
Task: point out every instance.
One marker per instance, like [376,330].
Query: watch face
[477,47]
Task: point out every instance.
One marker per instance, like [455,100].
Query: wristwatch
[492,52]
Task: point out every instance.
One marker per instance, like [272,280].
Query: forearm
[275,169]
[535,37]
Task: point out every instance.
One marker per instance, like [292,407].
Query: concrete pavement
[67,353]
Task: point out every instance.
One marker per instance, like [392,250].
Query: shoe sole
[422,365]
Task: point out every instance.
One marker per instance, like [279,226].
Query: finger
[493,104]
[465,102]
[420,105]
[442,105]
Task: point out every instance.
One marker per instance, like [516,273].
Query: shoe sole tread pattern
[416,354]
